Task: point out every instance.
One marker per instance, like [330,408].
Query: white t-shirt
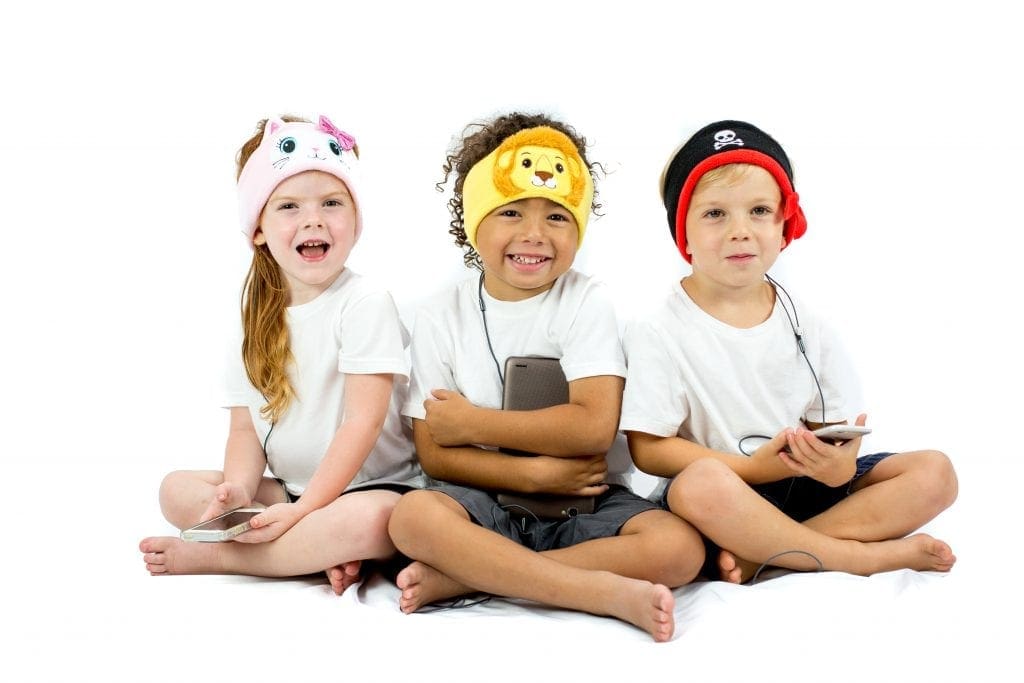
[693,376]
[351,328]
[573,321]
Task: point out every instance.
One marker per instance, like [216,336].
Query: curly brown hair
[480,139]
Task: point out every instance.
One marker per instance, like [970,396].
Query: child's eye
[288,205]
[761,211]
[508,213]
[333,202]
[714,213]
[558,217]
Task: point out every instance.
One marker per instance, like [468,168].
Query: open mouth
[313,249]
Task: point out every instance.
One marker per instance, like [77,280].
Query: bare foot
[648,606]
[928,553]
[344,575]
[170,555]
[421,585]
[734,569]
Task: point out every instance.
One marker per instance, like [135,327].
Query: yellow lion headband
[536,162]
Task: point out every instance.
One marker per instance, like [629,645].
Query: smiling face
[734,226]
[308,224]
[525,246]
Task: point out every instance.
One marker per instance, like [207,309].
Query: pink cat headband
[288,149]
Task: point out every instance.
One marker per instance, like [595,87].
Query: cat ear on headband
[274,123]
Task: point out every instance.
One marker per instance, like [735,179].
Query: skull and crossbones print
[724,138]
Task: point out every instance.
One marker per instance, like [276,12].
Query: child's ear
[259,239]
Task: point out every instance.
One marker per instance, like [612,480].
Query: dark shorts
[802,497]
[400,489]
[612,510]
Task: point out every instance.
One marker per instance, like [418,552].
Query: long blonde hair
[266,345]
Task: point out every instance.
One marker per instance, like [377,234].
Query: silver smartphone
[223,527]
[840,432]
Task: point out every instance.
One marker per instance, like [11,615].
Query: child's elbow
[642,451]
[602,443]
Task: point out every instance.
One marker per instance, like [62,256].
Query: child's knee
[673,550]
[173,497]
[703,489]
[939,471]
[415,513]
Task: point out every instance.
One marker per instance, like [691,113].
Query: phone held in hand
[223,527]
[841,432]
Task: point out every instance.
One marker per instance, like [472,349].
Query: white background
[122,259]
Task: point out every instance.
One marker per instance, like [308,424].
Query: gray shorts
[612,510]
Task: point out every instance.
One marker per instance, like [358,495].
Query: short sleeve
[432,364]
[654,401]
[592,346]
[372,337]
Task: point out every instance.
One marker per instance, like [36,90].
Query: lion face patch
[535,166]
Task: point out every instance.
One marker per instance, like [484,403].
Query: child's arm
[486,469]
[366,403]
[586,425]
[667,456]
[244,464]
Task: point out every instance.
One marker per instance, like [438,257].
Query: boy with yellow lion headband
[523,193]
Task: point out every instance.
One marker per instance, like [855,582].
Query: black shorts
[802,497]
[400,489]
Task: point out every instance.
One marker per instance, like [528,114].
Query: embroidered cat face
[290,148]
[324,142]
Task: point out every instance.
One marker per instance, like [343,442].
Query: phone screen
[231,519]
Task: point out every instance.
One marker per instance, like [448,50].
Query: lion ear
[505,159]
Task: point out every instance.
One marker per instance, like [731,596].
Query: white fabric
[352,328]
[573,321]
[693,376]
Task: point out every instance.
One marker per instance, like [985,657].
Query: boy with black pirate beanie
[729,376]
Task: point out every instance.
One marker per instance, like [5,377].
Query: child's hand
[449,418]
[272,523]
[766,463]
[227,496]
[582,476]
[831,464]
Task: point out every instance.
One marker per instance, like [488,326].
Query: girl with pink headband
[313,386]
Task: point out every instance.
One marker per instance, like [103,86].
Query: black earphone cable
[794,323]
[487,333]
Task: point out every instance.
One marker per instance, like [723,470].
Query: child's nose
[532,227]
[313,218]
[739,228]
